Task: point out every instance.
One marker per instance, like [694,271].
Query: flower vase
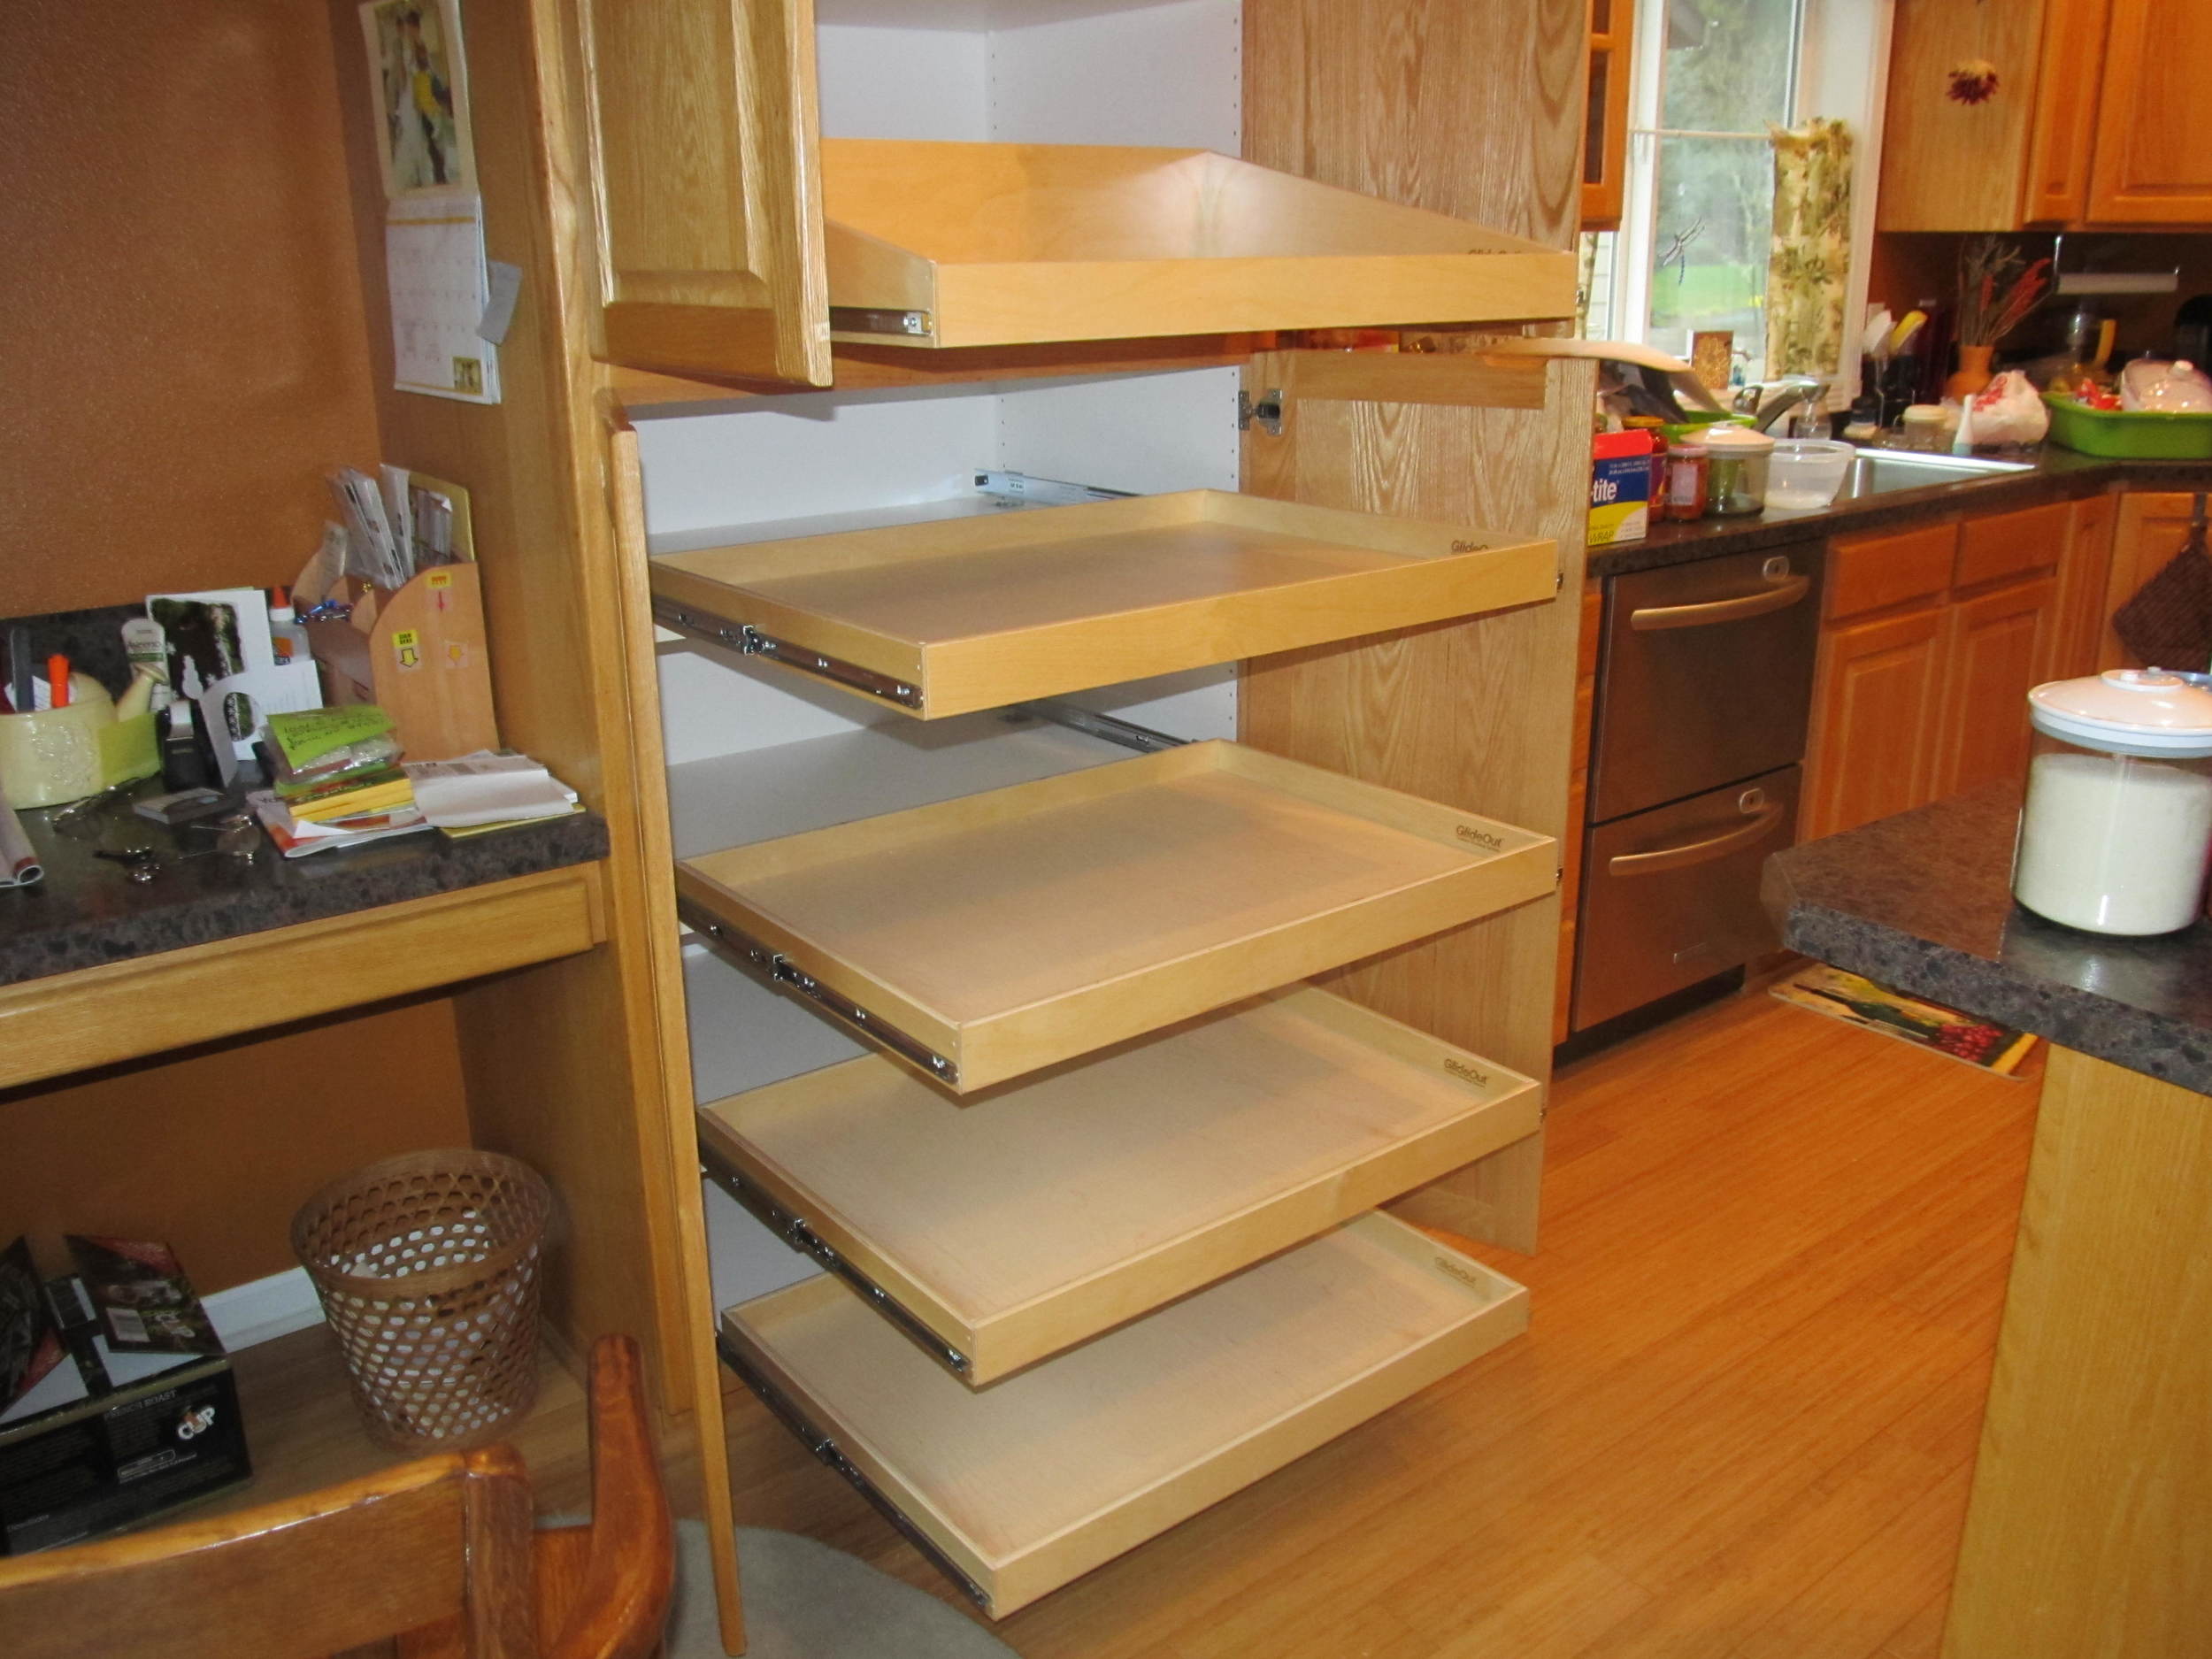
[1973,374]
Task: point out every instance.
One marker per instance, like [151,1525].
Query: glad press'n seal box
[1620,488]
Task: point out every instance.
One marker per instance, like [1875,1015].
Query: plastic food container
[2129,434]
[1807,471]
[1736,470]
[2117,824]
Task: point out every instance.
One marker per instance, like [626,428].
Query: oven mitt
[2167,624]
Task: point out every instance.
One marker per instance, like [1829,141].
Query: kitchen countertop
[87,911]
[2059,475]
[1923,901]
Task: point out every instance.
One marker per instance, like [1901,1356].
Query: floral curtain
[1811,253]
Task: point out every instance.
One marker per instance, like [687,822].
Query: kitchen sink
[1886,471]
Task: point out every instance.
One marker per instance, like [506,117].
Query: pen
[57,681]
[19,668]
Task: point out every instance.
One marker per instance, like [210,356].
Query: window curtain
[1810,264]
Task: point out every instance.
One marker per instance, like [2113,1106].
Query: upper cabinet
[735,242]
[1605,126]
[2085,126]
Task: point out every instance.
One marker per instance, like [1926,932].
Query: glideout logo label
[196,1422]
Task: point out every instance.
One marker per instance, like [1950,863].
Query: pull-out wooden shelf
[1026,1486]
[945,618]
[984,938]
[1061,1206]
[966,244]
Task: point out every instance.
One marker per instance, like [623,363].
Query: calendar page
[434,255]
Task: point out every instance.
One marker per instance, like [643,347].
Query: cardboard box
[419,654]
[1620,488]
[140,1414]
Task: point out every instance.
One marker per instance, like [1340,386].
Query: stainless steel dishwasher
[1705,675]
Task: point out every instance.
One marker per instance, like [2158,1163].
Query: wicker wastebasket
[427,1268]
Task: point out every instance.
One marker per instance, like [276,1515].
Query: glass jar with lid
[1736,469]
[2116,829]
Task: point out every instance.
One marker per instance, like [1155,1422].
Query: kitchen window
[1707,78]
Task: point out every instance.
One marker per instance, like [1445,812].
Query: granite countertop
[1923,901]
[2059,475]
[88,912]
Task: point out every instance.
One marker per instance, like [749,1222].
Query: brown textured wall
[181,335]
[213,1152]
[182,348]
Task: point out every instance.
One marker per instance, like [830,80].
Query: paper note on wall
[434,257]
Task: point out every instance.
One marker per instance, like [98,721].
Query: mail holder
[419,655]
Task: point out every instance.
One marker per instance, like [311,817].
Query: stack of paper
[486,791]
[297,837]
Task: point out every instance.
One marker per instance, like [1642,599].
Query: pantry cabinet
[1930,640]
[969,975]
[2080,130]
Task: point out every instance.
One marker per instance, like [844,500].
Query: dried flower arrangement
[1996,292]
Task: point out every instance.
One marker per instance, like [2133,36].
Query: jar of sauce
[1683,496]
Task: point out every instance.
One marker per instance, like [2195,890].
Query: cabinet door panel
[1874,721]
[1948,165]
[2062,134]
[2078,619]
[1996,645]
[703,139]
[2010,544]
[2150,531]
[2158,72]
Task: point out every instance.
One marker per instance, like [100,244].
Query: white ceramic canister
[2117,826]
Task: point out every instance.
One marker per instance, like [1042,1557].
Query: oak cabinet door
[2151,529]
[2079,612]
[2150,169]
[2063,131]
[703,139]
[1874,721]
[1996,644]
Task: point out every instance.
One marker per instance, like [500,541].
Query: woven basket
[427,1268]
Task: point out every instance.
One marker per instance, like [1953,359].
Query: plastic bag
[2008,409]
[2167,388]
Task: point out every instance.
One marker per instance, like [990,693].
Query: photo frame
[418,85]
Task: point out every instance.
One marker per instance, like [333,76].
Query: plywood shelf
[1028,1485]
[954,616]
[967,244]
[985,938]
[1059,1206]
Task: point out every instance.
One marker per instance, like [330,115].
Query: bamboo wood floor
[1741,1427]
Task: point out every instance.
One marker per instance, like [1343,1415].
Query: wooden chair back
[440,1552]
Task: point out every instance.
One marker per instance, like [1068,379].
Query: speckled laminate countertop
[1923,901]
[2060,475]
[88,912]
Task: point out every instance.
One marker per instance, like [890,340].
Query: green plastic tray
[2129,436]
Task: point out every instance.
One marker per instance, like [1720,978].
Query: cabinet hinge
[1266,413]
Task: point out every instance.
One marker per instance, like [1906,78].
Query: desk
[96,968]
[2090,1527]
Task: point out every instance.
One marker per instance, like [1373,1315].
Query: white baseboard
[264,1309]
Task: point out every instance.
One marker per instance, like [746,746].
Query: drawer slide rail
[783,974]
[747,641]
[825,1448]
[794,1231]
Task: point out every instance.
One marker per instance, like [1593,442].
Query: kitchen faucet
[1767,401]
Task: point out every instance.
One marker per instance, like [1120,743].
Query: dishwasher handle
[1666,858]
[1781,596]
